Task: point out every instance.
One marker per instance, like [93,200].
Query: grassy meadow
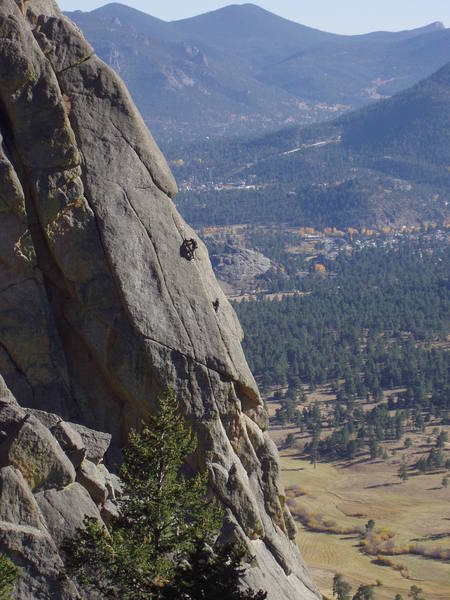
[333,502]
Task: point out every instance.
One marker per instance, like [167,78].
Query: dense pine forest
[380,322]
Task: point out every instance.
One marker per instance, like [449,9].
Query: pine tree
[373,447]
[314,449]
[210,574]
[403,471]
[8,575]
[341,588]
[416,593]
[166,521]
[364,592]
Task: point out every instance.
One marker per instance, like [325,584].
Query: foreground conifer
[163,543]
[8,576]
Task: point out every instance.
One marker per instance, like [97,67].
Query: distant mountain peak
[431,27]
[247,7]
[437,25]
[239,66]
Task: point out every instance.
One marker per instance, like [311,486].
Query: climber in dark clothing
[216,304]
[188,248]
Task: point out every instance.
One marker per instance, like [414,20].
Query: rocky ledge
[101,308]
[51,476]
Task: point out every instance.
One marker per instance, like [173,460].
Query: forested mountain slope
[384,164]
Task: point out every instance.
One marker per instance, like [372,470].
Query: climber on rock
[188,248]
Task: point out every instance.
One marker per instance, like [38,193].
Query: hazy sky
[339,16]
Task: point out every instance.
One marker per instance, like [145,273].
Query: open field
[333,502]
[417,512]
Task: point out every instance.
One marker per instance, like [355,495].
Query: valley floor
[346,495]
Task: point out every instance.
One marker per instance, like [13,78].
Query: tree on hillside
[403,470]
[370,525]
[163,542]
[290,440]
[210,574]
[341,588]
[299,420]
[373,447]
[416,593]
[442,438]
[314,452]
[364,592]
[8,576]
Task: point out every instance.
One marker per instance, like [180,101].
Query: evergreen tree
[165,521]
[441,439]
[210,574]
[290,440]
[373,447]
[403,471]
[8,576]
[370,525]
[364,592]
[314,453]
[341,588]
[416,593]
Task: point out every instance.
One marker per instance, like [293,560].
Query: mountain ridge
[241,69]
[116,7]
[384,164]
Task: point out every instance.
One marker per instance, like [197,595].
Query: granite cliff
[100,309]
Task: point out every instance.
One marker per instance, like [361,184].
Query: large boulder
[11,418]
[11,414]
[99,307]
[70,441]
[240,267]
[33,526]
[96,443]
[17,503]
[35,452]
[41,568]
[93,480]
[65,510]
[47,419]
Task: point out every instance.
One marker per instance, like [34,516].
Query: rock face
[100,310]
[240,267]
[40,504]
